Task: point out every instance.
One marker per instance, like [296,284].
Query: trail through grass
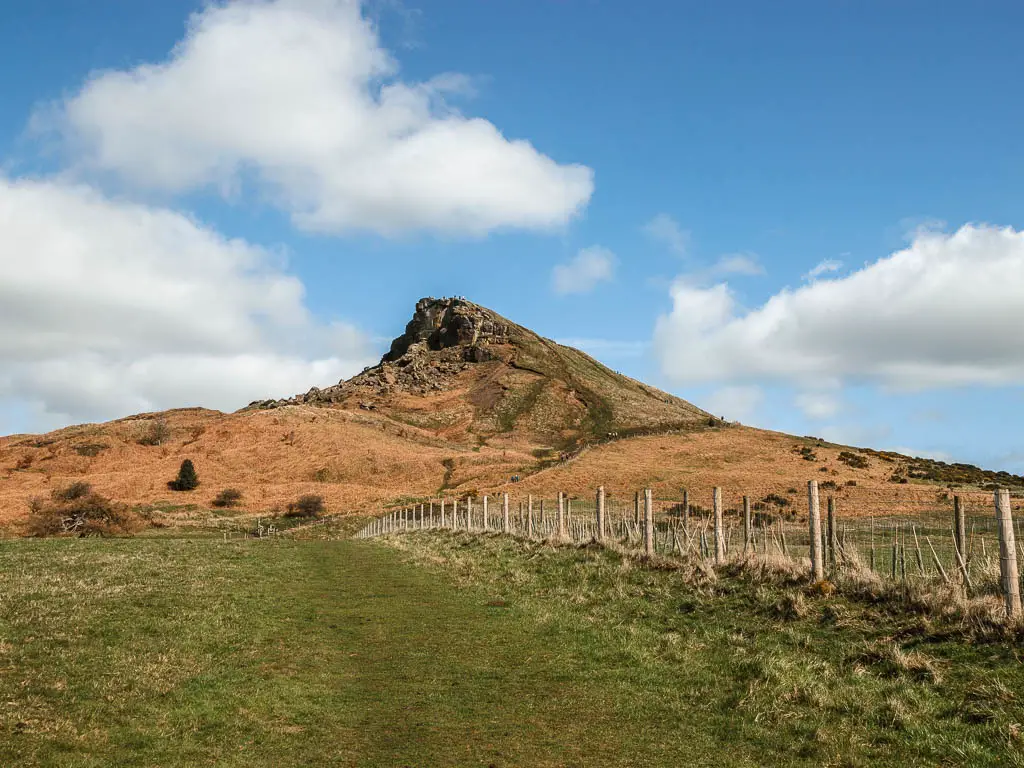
[451,651]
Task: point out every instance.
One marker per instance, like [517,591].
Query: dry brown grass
[359,461]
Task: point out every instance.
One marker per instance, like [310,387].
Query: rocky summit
[507,380]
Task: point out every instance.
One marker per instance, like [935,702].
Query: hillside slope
[469,374]
[462,401]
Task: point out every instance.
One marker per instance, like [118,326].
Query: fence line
[978,551]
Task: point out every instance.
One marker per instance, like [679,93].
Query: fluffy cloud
[109,308]
[584,271]
[817,405]
[300,97]
[738,264]
[735,403]
[945,311]
[824,267]
[665,230]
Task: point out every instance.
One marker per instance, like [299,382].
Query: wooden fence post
[529,515]
[504,513]
[719,528]
[747,532]
[485,513]
[648,524]
[1008,554]
[561,515]
[600,513]
[833,536]
[960,536]
[686,508]
[814,515]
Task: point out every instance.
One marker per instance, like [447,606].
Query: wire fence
[952,539]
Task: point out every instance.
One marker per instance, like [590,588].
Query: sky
[804,216]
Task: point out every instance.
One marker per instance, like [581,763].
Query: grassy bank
[442,650]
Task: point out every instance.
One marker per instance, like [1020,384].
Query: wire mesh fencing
[951,540]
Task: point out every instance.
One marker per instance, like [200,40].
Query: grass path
[179,652]
[193,652]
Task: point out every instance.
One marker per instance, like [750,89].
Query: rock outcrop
[443,338]
[505,382]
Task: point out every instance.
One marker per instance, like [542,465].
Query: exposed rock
[443,323]
[513,381]
[442,339]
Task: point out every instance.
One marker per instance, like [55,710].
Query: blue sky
[688,167]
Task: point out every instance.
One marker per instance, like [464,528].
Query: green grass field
[442,650]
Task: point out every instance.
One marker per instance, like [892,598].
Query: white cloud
[946,311]
[817,405]
[734,403]
[738,264]
[856,434]
[299,97]
[828,265]
[109,308]
[666,230]
[584,271]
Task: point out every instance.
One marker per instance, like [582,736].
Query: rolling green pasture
[443,650]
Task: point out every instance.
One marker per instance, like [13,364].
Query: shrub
[854,460]
[227,497]
[79,511]
[187,479]
[72,492]
[155,434]
[309,505]
[806,453]
[90,449]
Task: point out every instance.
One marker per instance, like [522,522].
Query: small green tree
[187,479]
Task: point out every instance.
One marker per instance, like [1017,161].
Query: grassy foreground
[443,650]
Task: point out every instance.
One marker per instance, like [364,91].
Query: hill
[466,373]
[462,401]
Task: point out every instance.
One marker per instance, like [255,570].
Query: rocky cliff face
[443,338]
[440,324]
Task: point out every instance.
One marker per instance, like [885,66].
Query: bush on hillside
[155,434]
[77,510]
[70,493]
[187,479]
[229,497]
[309,505]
